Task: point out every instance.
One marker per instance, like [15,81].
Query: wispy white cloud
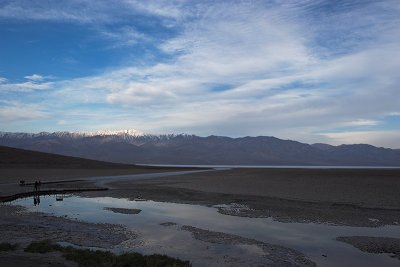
[89,13]
[35,82]
[34,77]
[62,122]
[361,122]
[69,11]
[124,36]
[175,9]
[377,138]
[25,87]
[16,111]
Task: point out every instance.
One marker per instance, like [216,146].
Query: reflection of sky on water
[311,239]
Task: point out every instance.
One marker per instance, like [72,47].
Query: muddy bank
[272,254]
[374,244]
[22,227]
[26,227]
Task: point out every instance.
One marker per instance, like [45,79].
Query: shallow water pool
[316,241]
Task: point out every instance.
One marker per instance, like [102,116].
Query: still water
[316,241]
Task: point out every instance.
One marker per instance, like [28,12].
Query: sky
[312,71]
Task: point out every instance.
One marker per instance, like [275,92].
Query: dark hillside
[21,158]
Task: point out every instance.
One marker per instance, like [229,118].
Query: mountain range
[134,147]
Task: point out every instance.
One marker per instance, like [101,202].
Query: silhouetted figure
[36,186]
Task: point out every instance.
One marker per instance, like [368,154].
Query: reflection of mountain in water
[128,147]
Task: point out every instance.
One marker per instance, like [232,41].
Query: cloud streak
[34,77]
[35,82]
[15,111]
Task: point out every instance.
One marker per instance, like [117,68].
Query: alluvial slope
[14,157]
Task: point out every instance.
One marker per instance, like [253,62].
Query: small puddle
[159,227]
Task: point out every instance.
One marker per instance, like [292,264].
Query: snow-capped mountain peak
[109,132]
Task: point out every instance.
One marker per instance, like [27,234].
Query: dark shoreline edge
[47,192]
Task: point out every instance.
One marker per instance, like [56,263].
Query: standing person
[36,186]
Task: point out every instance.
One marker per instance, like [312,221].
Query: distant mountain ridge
[134,147]
[127,135]
[78,134]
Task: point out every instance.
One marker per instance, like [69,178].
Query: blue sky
[312,71]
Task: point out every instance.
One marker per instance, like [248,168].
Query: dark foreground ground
[335,196]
